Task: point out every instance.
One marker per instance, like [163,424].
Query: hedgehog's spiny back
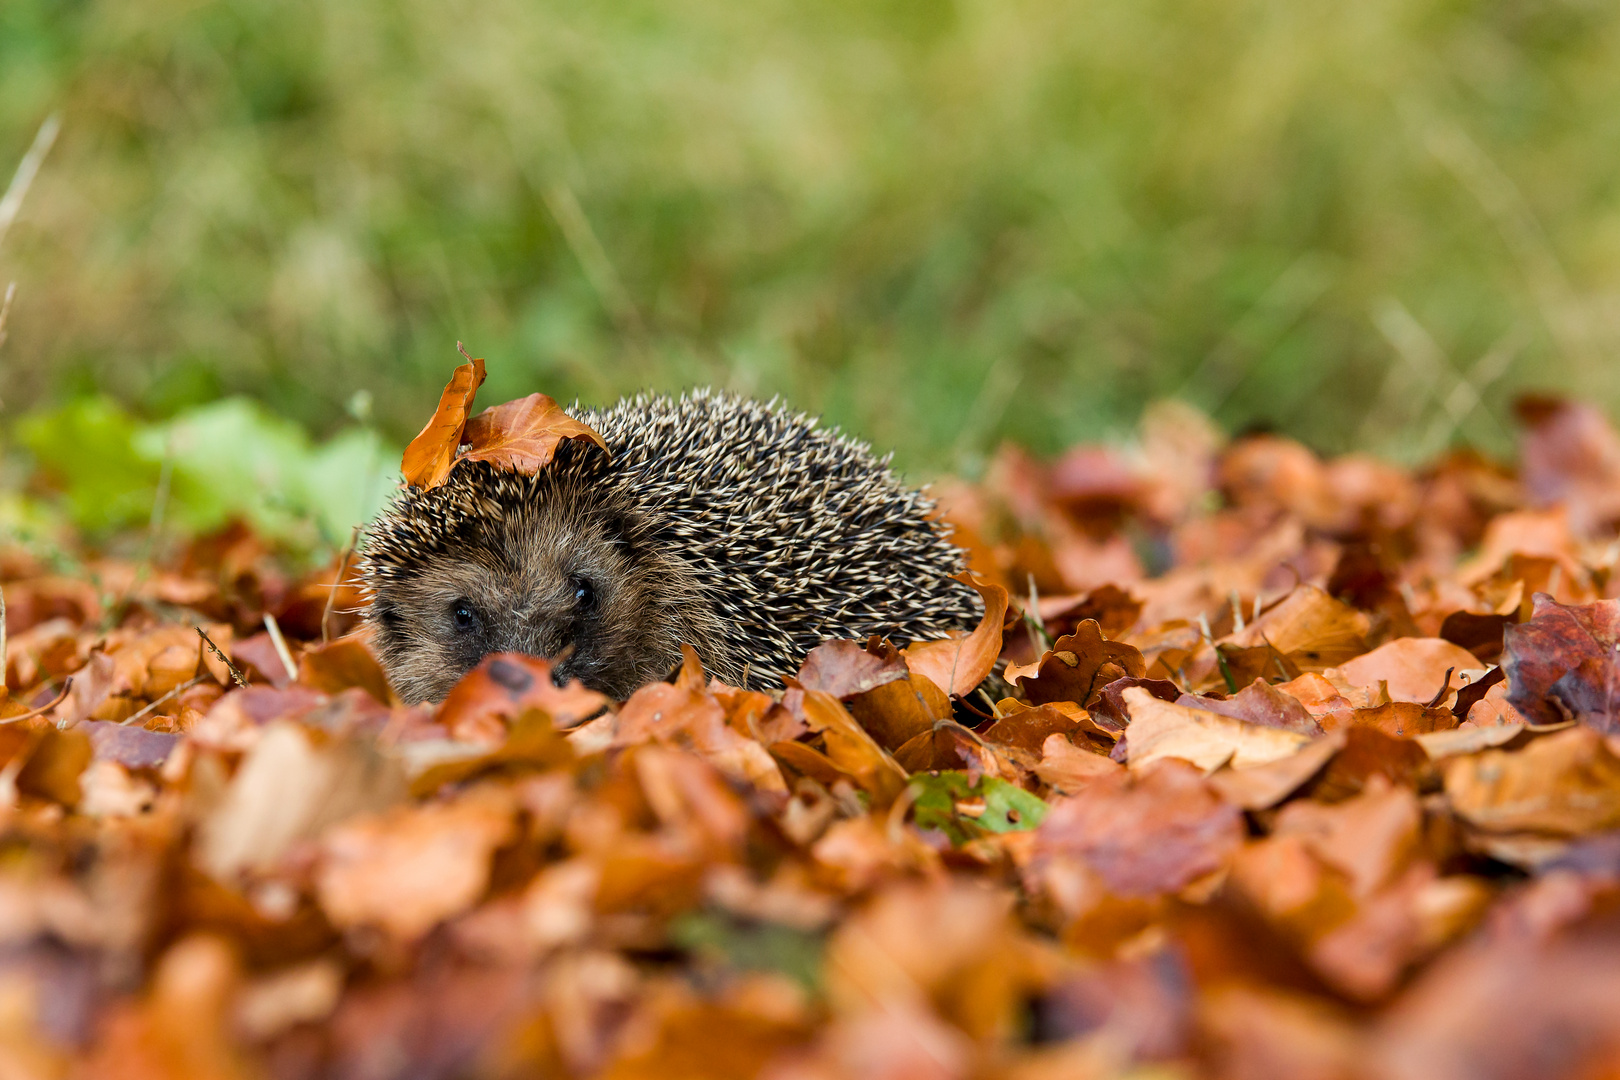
[797,533]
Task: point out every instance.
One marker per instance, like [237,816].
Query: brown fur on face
[559,574]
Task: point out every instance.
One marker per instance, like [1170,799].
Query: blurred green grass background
[939,224]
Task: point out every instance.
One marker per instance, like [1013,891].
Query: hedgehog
[740,528]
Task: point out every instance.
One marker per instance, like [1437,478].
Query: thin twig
[176,692]
[274,629]
[331,597]
[236,676]
[27,169]
[31,713]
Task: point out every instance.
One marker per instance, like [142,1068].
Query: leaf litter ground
[1294,768]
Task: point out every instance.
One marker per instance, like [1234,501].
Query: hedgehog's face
[567,587]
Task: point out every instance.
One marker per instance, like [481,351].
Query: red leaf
[1565,655]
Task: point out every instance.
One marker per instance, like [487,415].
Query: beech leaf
[523,435]
[430,456]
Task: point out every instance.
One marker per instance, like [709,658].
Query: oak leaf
[1077,667]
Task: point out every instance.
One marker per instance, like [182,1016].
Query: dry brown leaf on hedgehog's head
[428,459]
[523,435]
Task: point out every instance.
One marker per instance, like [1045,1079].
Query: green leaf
[1007,807]
[751,946]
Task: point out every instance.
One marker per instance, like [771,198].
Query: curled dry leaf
[430,456]
[1068,768]
[338,665]
[523,435]
[846,668]
[958,665]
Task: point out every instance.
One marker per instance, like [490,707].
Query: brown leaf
[181,1030]
[1402,719]
[688,715]
[1566,656]
[847,668]
[1368,753]
[852,750]
[1108,711]
[431,454]
[1259,703]
[407,870]
[504,685]
[1028,728]
[1413,669]
[338,665]
[1564,784]
[1481,635]
[1370,838]
[949,943]
[1265,1034]
[1068,768]
[1078,666]
[1208,740]
[1144,834]
[132,747]
[1571,456]
[523,435]
[1309,628]
[1114,609]
[532,743]
[54,761]
[1502,1010]
[958,665]
[290,787]
[898,711]
[1261,786]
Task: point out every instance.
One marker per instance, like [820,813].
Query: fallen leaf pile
[1283,768]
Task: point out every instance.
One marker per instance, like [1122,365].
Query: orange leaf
[428,459]
[958,665]
[522,435]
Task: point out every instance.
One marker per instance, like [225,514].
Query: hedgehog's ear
[386,615]
[628,532]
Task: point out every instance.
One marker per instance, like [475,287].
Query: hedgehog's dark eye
[584,593]
[466,618]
